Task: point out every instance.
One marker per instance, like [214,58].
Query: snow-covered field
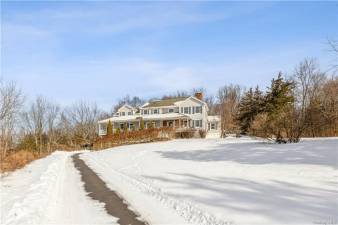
[48,191]
[220,181]
[196,181]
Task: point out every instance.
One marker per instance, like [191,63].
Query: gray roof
[165,102]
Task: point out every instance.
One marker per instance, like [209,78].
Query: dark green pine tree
[245,111]
[278,96]
[278,100]
[258,101]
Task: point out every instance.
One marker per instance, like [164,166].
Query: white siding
[190,103]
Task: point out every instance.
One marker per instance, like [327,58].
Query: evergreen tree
[125,127]
[141,124]
[245,111]
[109,128]
[279,101]
[258,103]
[279,95]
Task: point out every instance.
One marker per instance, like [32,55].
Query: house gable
[125,110]
[191,101]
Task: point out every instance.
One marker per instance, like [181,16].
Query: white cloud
[112,17]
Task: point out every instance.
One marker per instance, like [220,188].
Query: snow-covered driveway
[215,181]
[48,191]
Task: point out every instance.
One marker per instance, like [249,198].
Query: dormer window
[123,113]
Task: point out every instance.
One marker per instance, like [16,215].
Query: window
[103,127]
[145,111]
[130,113]
[155,111]
[186,110]
[198,123]
[198,109]
[213,126]
[171,110]
[132,126]
[123,113]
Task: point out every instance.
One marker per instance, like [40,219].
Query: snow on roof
[144,117]
[214,118]
[164,102]
[127,106]
[119,119]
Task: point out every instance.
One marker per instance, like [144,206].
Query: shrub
[188,133]
[109,128]
[150,125]
[133,137]
[141,124]
[202,133]
[259,126]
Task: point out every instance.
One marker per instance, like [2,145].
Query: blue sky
[101,51]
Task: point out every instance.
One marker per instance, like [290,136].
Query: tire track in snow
[189,212]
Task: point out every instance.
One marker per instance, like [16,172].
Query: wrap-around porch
[181,121]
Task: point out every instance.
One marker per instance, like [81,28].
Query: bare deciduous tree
[35,121]
[329,106]
[83,117]
[11,100]
[52,117]
[210,100]
[309,80]
[334,48]
[228,97]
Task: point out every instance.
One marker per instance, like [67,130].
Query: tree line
[304,104]
[43,125]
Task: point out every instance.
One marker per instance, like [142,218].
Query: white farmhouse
[179,113]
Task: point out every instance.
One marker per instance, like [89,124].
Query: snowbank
[220,181]
[48,191]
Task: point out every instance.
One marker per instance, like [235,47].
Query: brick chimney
[199,95]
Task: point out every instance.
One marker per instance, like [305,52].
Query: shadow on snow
[325,154]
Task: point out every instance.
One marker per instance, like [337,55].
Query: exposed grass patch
[18,159]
